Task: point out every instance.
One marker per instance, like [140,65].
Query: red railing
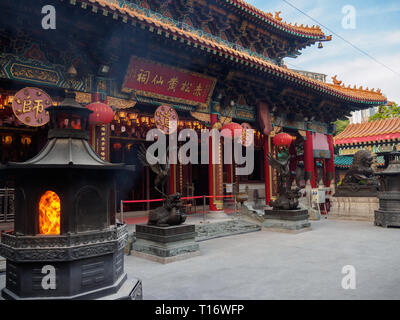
[183,198]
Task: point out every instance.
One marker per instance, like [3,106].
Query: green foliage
[341,125]
[386,112]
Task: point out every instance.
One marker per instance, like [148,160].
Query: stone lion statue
[170,214]
[361,171]
[360,180]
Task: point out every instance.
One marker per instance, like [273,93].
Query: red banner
[159,81]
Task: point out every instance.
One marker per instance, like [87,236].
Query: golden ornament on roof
[277,17]
[336,81]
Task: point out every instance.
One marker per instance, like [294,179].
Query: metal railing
[203,213]
[6,205]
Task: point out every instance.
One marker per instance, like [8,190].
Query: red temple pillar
[215,173]
[309,163]
[267,170]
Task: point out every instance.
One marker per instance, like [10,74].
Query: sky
[377,32]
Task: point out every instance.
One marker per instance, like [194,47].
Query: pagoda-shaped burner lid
[68,144]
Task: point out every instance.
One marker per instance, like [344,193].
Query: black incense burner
[388,214]
[66,243]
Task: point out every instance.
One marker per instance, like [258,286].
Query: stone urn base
[387,219]
[165,244]
[356,190]
[353,208]
[388,214]
[290,221]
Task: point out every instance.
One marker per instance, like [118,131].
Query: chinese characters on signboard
[166,119]
[102,141]
[29,106]
[163,82]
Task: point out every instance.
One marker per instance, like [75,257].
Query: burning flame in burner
[49,213]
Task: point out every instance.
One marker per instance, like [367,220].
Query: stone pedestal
[125,289]
[388,214]
[367,191]
[291,221]
[83,266]
[165,244]
[353,208]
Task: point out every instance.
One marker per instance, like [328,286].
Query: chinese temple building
[380,137]
[212,61]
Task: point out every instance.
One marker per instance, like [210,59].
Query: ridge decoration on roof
[366,93]
[313,32]
[347,161]
[386,129]
[156,23]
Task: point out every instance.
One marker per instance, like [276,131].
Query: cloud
[374,11]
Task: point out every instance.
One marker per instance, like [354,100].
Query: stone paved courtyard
[269,265]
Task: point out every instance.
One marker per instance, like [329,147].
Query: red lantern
[283,139]
[102,113]
[234,128]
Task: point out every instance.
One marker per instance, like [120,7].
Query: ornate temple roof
[155,23]
[274,20]
[377,130]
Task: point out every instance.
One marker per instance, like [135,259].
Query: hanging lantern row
[8,140]
[5,105]
[189,124]
[135,121]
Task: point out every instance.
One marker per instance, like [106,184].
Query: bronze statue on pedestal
[288,198]
[171,213]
